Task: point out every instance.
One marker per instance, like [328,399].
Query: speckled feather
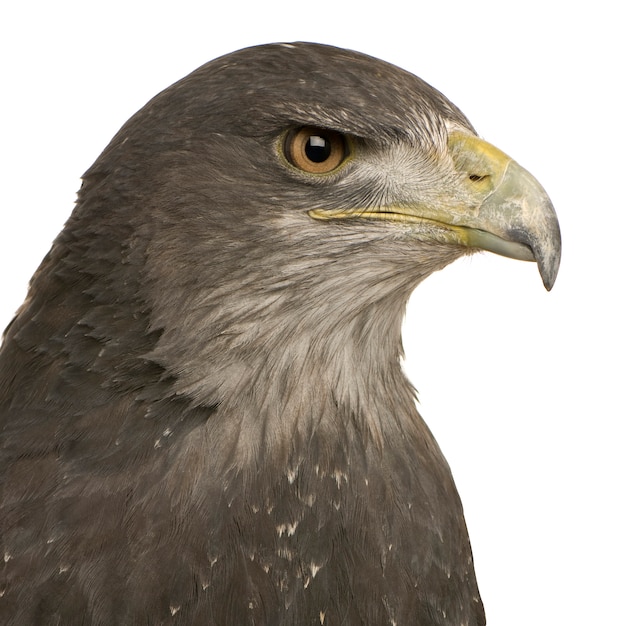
[204,416]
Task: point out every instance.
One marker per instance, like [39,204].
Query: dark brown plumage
[204,417]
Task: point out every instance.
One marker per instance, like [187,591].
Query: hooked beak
[494,205]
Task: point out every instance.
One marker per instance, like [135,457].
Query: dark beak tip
[549,267]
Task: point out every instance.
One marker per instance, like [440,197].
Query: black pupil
[317,148]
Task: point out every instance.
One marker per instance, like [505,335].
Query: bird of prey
[203,410]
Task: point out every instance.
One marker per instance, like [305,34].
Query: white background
[523,389]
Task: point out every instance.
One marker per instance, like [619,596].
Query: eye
[315,150]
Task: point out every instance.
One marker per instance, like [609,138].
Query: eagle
[204,417]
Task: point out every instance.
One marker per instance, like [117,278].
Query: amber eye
[315,150]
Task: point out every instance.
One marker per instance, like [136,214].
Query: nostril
[477,177]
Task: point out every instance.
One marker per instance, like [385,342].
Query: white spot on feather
[322,616]
[339,476]
[174,609]
[309,500]
[288,529]
[285,553]
[7,557]
[314,569]
[63,568]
